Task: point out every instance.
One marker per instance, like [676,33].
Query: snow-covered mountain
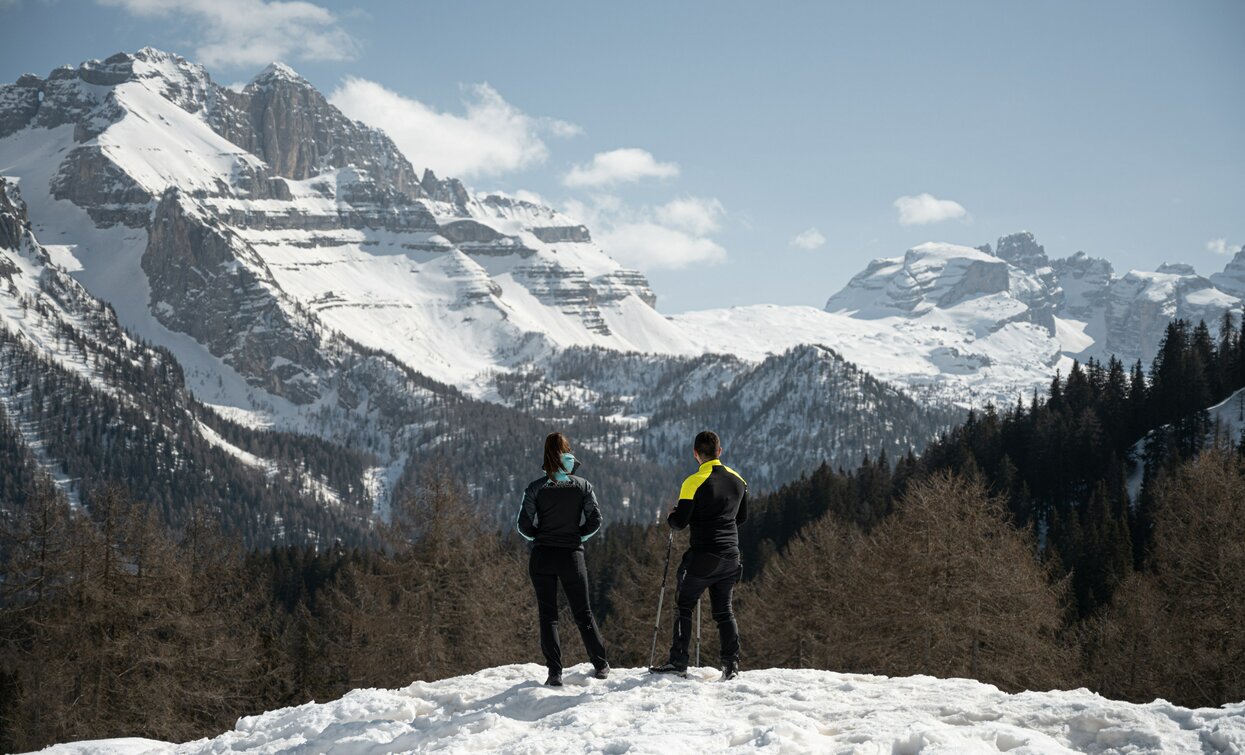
[270,200]
[305,278]
[969,325]
[506,710]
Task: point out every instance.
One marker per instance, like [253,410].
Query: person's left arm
[591,514]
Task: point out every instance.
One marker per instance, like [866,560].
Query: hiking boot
[601,672]
[730,670]
[554,680]
[669,668]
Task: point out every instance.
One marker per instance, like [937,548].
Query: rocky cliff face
[1232,279]
[1139,306]
[14,222]
[928,277]
[19,102]
[1039,287]
[1084,281]
[208,285]
[282,119]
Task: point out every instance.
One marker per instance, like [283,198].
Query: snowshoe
[730,670]
[554,680]
[601,672]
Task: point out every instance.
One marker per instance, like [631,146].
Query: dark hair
[708,445]
[556,444]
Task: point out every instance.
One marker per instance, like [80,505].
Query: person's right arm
[681,514]
[526,521]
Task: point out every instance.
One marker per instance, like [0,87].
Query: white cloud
[619,166]
[252,32]
[810,239]
[649,246]
[1221,246]
[692,214]
[926,208]
[490,138]
[670,236]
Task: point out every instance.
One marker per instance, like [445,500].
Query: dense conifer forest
[1013,550]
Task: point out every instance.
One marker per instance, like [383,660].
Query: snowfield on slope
[508,710]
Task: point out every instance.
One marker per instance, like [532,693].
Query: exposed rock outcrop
[1232,279]
[199,287]
[1084,281]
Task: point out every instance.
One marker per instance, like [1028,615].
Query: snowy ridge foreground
[506,709]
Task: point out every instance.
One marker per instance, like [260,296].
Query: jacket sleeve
[682,514]
[591,513]
[526,522]
[741,516]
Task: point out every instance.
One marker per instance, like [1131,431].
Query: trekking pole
[665,572]
[698,632]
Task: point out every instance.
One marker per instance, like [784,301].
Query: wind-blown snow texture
[506,709]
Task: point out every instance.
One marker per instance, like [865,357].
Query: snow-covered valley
[507,710]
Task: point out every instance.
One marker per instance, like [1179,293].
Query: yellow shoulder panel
[688,491]
[741,477]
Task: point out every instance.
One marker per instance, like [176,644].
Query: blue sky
[1117,128]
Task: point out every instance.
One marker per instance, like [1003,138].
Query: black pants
[547,567]
[717,574]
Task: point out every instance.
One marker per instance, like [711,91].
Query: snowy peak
[274,72]
[931,275]
[1084,307]
[1022,250]
[1176,268]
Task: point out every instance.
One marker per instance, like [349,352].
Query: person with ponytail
[559,513]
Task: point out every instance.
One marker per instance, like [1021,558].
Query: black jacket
[560,514]
[713,502]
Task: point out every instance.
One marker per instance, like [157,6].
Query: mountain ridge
[335,301]
[309,279]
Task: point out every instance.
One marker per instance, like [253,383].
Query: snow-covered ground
[508,710]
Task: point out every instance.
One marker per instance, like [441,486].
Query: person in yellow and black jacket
[713,502]
[560,512]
